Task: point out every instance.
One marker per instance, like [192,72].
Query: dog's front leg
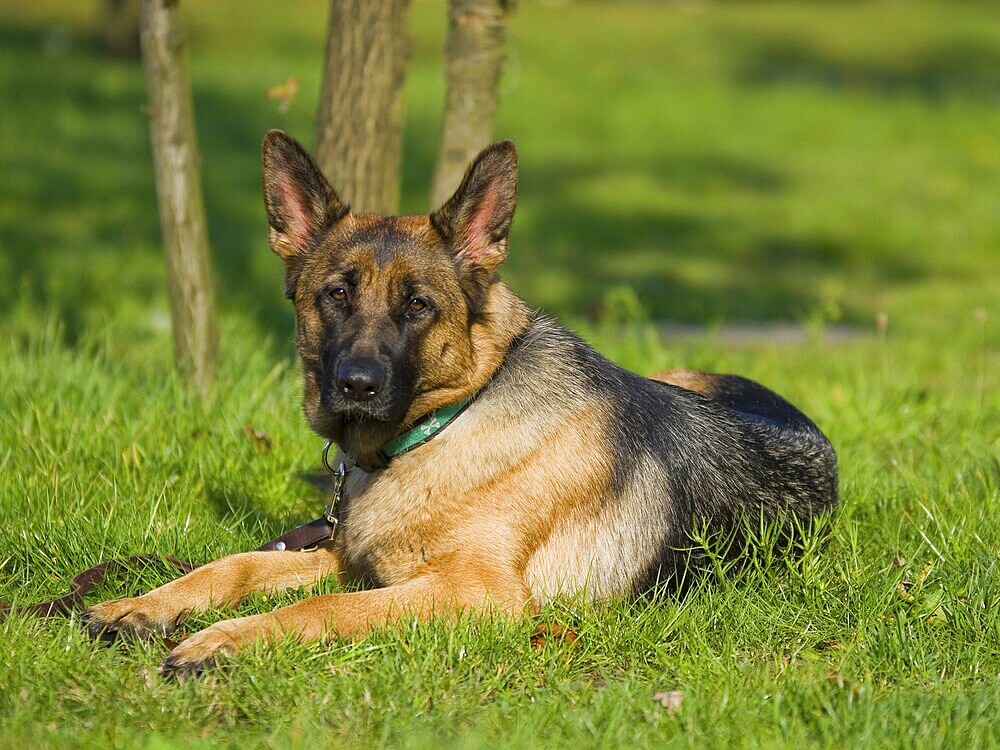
[331,615]
[223,582]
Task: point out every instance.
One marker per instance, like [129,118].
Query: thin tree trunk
[475,54]
[178,192]
[360,118]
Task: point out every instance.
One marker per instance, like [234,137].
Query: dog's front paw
[197,653]
[139,617]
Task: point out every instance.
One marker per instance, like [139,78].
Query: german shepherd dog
[562,474]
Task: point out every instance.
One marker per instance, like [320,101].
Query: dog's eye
[338,294]
[416,305]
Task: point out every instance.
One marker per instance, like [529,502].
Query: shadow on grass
[942,71]
[234,504]
[80,233]
[692,263]
[80,228]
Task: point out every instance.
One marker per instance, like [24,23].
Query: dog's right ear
[300,203]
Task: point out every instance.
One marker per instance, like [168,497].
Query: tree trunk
[178,192]
[360,118]
[475,54]
[121,27]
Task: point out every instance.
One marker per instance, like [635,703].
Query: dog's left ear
[476,220]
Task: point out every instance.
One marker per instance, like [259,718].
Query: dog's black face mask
[365,304]
[384,305]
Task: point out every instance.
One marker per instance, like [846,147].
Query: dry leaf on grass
[557,633]
[839,680]
[261,440]
[670,700]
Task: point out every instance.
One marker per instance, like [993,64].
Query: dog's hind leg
[690,380]
[737,393]
[223,582]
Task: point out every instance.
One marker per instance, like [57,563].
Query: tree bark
[360,118]
[475,54]
[178,192]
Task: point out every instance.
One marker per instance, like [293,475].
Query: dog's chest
[387,534]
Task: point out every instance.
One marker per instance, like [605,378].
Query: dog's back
[691,455]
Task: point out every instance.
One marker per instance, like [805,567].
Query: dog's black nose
[360,379]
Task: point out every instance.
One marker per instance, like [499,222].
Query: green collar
[416,436]
[424,430]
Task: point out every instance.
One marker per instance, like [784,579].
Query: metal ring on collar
[326,457]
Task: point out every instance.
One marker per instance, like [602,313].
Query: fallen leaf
[564,636]
[904,587]
[925,571]
[670,700]
[174,642]
[899,561]
[284,93]
[261,440]
[845,683]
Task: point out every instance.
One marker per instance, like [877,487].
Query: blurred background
[824,164]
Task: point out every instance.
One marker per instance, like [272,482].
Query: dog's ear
[300,203]
[476,220]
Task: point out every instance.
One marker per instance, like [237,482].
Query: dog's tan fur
[690,380]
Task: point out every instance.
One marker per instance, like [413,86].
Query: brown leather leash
[301,537]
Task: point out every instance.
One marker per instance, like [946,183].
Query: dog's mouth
[378,414]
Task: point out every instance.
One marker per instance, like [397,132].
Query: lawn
[701,163]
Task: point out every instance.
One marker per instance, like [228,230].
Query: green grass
[737,162]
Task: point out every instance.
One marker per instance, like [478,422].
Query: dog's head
[387,308]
